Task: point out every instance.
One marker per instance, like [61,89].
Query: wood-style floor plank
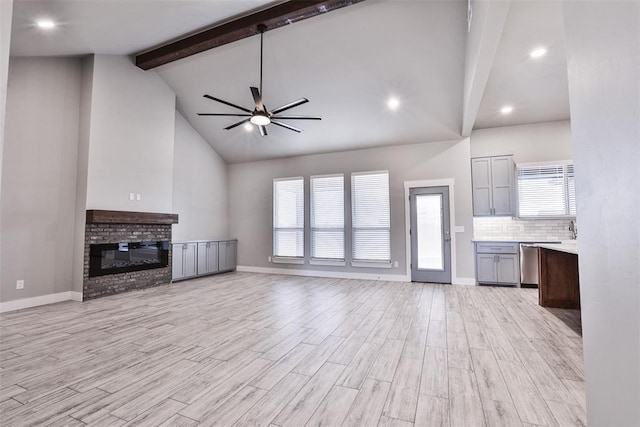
[248,349]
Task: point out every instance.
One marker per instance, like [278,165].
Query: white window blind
[288,217]
[371,222]
[327,217]
[546,190]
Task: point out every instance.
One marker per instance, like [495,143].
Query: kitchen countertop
[515,241]
[570,247]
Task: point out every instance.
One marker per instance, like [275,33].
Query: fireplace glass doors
[113,258]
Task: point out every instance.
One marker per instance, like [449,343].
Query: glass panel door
[430,235]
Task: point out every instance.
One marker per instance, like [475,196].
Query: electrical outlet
[395,264]
[132,196]
[269,258]
[20,284]
[137,197]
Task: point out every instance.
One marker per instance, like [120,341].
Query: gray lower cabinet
[497,263]
[207,258]
[184,260]
[227,255]
[199,258]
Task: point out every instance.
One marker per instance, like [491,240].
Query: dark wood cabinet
[559,285]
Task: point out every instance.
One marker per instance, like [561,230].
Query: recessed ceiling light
[538,52]
[507,109]
[45,24]
[248,127]
[393,103]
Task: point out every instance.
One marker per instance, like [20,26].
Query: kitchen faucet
[573,228]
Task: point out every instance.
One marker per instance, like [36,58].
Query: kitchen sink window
[546,190]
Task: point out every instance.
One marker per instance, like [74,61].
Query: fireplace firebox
[113,258]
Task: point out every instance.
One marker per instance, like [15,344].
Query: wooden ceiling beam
[273,17]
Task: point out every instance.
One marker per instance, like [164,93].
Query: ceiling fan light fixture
[260,119]
[45,24]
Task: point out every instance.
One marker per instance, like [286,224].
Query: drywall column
[603,58]
[6,15]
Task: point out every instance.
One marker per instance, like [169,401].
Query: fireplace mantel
[95,216]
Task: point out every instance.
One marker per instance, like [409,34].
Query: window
[371,223]
[327,217]
[288,217]
[546,190]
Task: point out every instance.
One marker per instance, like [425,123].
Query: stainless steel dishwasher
[528,265]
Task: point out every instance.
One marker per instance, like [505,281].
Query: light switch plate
[138,197]
[132,196]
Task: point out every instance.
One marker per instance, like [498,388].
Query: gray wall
[603,57]
[39,176]
[199,187]
[250,197]
[538,142]
[131,137]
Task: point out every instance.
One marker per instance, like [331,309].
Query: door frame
[447,182]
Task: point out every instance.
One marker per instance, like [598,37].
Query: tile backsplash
[509,228]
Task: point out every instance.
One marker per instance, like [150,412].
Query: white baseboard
[467,281]
[330,274]
[19,304]
[75,296]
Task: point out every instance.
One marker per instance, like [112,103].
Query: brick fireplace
[124,231]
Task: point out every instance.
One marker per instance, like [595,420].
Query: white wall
[39,176]
[199,187]
[538,142]
[483,38]
[603,53]
[250,197]
[131,138]
[6,14]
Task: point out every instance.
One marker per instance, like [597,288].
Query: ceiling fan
[261,116]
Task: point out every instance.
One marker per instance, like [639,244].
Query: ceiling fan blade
[257,98]
[224,115]
[286,126]
[289,105]
[241,122]
[226,103]
[296,117]
[263,130]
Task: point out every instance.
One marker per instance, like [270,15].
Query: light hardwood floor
[248,349]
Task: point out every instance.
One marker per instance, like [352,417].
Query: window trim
[327,261]
[367,263]
[279,258]
[564,164]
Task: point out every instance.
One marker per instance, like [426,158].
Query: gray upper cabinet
[493,186]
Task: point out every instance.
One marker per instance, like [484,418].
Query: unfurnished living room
[369,213]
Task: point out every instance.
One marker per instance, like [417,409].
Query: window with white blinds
[371,222]
[546,190]
[288,217]
[327,217]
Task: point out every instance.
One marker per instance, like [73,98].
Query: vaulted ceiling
[347,63]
